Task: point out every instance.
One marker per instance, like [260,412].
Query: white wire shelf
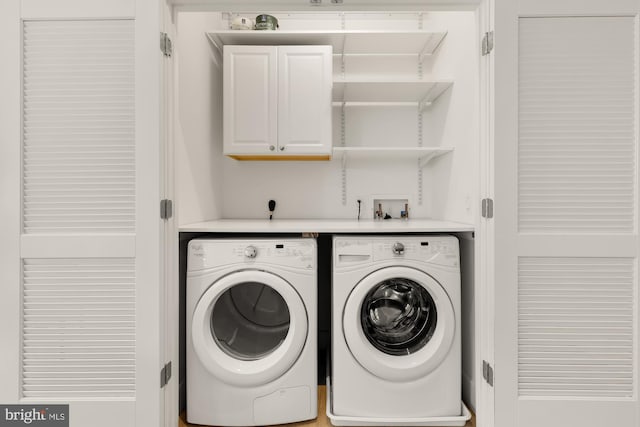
[423,154]
[344,42]
[419,92]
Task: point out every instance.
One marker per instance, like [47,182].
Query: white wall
[454,120]
[314,189]
[198,138]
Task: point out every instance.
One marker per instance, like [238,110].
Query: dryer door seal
[399,323]
[278,316]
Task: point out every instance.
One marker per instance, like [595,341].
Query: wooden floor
[321,421]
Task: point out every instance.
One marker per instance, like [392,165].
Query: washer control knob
[250,252]
[398,248]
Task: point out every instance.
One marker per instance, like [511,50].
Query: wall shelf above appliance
[412,92]
[344,42]
[423,154]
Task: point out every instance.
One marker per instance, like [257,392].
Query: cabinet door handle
[281,148]
[271,148]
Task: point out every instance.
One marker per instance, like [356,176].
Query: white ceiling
[324,6]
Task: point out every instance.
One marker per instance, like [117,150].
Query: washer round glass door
[249,327]
[399,323]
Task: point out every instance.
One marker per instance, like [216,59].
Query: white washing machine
[396,328]
[251,331]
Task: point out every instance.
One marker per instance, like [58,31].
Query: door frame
[484,246]
[485,238]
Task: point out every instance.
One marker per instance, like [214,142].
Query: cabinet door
[304,111]
[250,100]
[566,213]
[81,178]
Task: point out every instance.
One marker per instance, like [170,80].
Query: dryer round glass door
[249,327]
[399,323]
[250,320]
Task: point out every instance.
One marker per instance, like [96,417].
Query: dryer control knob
[250,252]
[398,248]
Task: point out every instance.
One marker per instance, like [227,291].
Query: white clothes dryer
[396,350]
[251,331]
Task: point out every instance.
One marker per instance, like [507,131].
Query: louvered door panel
[576,327]
[79,127]
[577,115]
[82,177]
[563,244]
[78,328]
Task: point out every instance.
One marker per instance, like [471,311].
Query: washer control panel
[435,249]
[442,250]
[294,253]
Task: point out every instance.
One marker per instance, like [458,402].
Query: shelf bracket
[216,49]
[424,160]
[343,125]
[420,143]
[424,104]
[343,25]
[344,179]
[343,140]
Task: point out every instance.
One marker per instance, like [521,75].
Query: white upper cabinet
[277,102]
[304,108]
[250,100]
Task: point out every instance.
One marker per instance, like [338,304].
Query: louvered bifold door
[90,225]
[566,216]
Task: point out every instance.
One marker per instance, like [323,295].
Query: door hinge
[487,208]
[166,209]
[165,44]
[487,43]
[487,372]
[165,375]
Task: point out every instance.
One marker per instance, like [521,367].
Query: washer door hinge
[165,44]
[166,209]
[487,372]
[487,208]
[487,43]
[165,375]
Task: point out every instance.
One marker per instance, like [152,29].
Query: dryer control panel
[296,254]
